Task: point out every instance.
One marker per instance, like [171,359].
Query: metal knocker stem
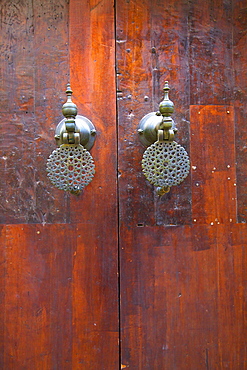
[71,167]
[165,163]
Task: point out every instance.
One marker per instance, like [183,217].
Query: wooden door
[119,277]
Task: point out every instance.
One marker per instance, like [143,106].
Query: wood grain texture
[59,298]
[2,290]
[240,94]
[173,295]
[210,52]
[146,57]
[60,309]
[213,164]
[38,297]
[182,286]
[34,42]
[232,300]
[182,305]
[95,282]
[92,58]
[95,300]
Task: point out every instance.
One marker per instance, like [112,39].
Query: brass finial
[166,107]
[69,109]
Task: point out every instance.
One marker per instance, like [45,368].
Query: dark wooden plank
[213,164]
[232,276]
[95,279]
[95,303]
[156,299]
[60,298]
[51,43]
[2,290]
[38,296]
[210,48]
[34,71]
[240,94]
[95,50]
[146,57]
[134,83]
[181,303]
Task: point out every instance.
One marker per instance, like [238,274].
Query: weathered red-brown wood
[38,296]
[213,164]
[151,48]
[95,282]
[95,303]
[60,296]
[34,71]
[182,282]
[210,52]
[181,287]
[182,297]
[2,289]
[231,244]
[92,58]
[240,94]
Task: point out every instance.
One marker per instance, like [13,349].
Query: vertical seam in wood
[234,118]
[118,194]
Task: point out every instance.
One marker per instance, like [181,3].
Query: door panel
[119,277]
[181,268]
[59,265]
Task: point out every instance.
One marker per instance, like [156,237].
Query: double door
[120,277]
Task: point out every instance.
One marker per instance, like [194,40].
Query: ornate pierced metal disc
[70,168]
[165,163]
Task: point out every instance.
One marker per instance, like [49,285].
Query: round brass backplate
[149,126]
[83,126]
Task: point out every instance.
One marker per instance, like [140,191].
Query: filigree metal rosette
[70,167]
[165,163]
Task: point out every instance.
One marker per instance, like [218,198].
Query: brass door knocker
[165,163]
[71,167]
